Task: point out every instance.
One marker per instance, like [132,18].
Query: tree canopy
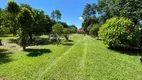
[56,15]
[57,28]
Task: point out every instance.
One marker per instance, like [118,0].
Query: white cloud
[81,18]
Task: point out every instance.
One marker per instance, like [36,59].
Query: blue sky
[71,9]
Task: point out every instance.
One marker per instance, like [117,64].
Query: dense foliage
[121,8]
[107,9]
[89,16]
[93,30]
[119,31]
[88,21]
[13,7]
[57,28]
[25,19]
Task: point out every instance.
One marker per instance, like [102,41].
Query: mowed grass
[83,59]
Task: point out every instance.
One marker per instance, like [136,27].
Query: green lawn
[83,59]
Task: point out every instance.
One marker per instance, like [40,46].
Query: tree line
[25,21]
[118,24]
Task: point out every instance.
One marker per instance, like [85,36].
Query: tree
[21,16]
[131,9]
[122,8]
[4,21]
[57,28]
[89,15]
[2,24]
[68,31]
[89,10]
[93,30]
[48,24]
[42,23]
[108,8]
[88,21]
[13,9]
[56,15]
[25,19]
[22,5]
[53,15]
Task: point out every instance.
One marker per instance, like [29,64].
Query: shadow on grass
[68,40]
[37,52]
[128,51]
[67,44]
[4,56]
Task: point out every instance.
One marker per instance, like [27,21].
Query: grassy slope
[86,59]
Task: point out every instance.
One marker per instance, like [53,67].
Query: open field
[83,59]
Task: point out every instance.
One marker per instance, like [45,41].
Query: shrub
[117,32]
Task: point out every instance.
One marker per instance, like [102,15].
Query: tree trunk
[67,38]
[0,42]
[30,36]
